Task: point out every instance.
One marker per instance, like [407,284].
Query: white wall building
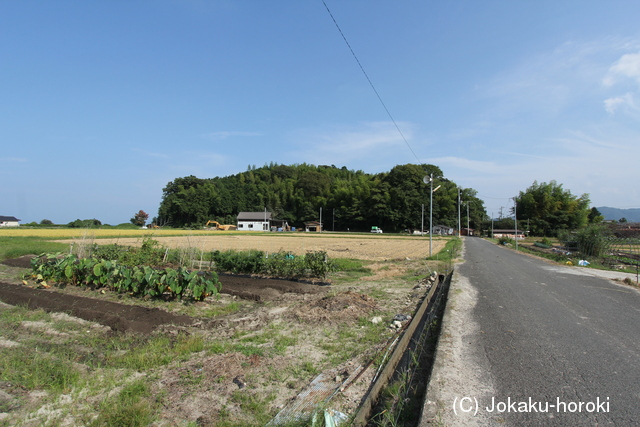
[9,221]
[254,221]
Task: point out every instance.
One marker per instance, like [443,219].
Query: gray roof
[253,216]
[9,218]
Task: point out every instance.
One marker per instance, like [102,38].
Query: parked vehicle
[376,229]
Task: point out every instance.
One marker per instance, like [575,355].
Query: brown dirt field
[372,248]
[133,318]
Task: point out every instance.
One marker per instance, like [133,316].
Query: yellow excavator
[215,225]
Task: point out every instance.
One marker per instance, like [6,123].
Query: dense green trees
[549,209]
[350,199]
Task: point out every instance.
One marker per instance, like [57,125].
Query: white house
[254,221]
[9,221]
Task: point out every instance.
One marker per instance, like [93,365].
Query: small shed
[313,226]
[9,221]
[467,231]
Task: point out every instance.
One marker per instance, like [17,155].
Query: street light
[515,221]
[429,180]
[459,228]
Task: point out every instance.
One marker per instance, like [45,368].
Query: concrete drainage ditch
[396,394]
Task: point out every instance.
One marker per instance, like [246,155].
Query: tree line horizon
[353,200]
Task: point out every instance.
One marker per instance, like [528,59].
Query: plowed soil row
[126,317]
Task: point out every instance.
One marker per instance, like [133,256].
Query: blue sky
[102,103]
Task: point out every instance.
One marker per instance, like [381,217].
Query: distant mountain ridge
[631,215]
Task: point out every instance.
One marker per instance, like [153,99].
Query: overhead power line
[370,82]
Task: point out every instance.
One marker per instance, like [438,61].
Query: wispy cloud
[150,153]
[214,159]
[582,139]
[467,164]
[612,104]
[344,144]
[228,134]
[567,77]
[13,159]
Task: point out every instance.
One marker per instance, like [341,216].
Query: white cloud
[567,79]
[612,104]
[625,69]
[627,66]
[626,102]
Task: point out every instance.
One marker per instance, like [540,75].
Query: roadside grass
[347,342]
[219,309]
[46,353]
[450,251]
[350,270]
[133,406]
[255,409]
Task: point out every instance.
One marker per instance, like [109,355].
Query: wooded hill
[350,200]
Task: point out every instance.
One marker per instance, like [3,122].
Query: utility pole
[431,216]
[459,229]
[468,229]
[492,225]
[515,220]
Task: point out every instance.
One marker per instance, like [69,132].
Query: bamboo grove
[348,200]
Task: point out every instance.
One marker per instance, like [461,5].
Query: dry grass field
[375,247]
[371,248]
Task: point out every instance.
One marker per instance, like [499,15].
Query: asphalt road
[536,344]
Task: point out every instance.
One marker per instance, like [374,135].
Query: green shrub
[136,280]
[505,240]
[278,264]
[546,242]
[593,240]
[149,253]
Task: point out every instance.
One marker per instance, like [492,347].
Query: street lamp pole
[431,216]
[515,221]
[459,228]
